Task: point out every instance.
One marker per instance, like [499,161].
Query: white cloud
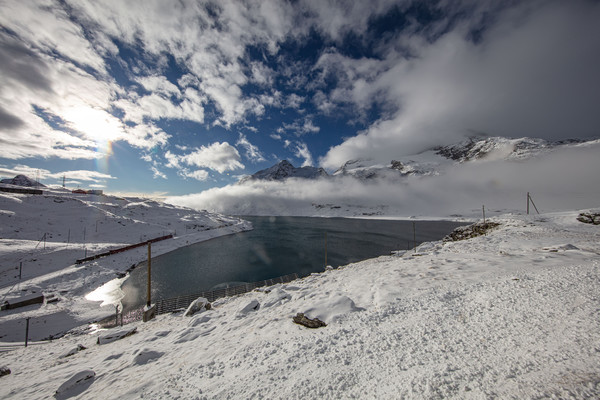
[563,180]
[252,152]
[302,152]
[534,72]
[294,101]
[220,157]
[300,127]
[200,174]
[41,173]
[156,173]
[49,27]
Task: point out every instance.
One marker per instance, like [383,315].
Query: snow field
[513,314]
[76,225]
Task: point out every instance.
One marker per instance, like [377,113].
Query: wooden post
[69,236]
[527,203]
[483,208]
[27,330]
[148,295]
[325,248]
[20,269]
[414,237]
[534,207]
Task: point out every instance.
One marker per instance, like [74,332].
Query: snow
[511,314]
[45,234]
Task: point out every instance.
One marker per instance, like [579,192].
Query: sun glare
[95,124]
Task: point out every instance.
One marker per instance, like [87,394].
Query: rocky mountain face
[430,162]
[22,180]
[283,170]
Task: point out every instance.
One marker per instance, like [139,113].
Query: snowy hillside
[46,234]
[512,314]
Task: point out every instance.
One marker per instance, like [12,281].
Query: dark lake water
[276,246]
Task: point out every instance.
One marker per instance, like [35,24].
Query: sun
[95,124]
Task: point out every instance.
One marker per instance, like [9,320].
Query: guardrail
[122,249]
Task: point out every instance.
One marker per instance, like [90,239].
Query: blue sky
[164,97]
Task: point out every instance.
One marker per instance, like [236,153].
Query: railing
[179,303]
[122,249]
[182,302]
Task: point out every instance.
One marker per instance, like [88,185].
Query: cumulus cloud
[220,157]
[156,173]
[41,173]
[562,180]
[302,152]
[299,127]
[533,72]
[252,152]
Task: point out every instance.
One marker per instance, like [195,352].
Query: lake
[276,246]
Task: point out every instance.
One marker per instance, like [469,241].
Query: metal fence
[179,303]
[182,302]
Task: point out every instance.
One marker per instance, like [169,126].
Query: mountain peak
[283,170]
[22,180]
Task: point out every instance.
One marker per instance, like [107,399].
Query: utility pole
[326,248]
[414,236]
[149,310]
[148,294]
[27,330]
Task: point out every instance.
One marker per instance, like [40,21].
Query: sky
[177,97]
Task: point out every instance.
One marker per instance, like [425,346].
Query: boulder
[301,319]
[199,305]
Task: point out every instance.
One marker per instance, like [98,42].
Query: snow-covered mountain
[22,180]
[452,180]
[433,161]
[283,170]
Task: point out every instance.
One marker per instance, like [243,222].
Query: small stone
[4,371]
[301,319]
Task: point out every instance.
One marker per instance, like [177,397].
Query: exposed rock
[4,371]
[284,170]
[199,305]
[470,231]
[589,218]
[301,319]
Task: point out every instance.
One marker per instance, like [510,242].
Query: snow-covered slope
[284,170]
[513,314]
[46,234]
[434,161]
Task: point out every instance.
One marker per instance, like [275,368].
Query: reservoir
[276,246]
